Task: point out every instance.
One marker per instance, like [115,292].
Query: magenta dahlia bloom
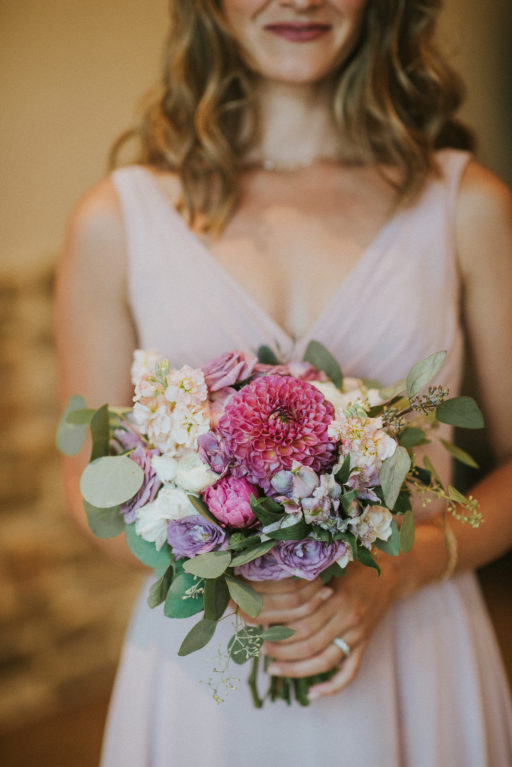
[272,422]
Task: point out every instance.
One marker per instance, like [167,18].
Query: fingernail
[313,695]
[273,669]
[325,593]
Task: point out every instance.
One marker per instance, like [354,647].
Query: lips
[299,33]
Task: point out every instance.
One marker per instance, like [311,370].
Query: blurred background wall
[70,76]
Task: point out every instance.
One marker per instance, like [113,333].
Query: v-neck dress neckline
[283,337]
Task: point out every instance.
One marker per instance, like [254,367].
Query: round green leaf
[462,412]
[277,633]
[198,636]
[178,604]
[105,523]
[209,565]
[411,436]
[146,551]
[110,481]
[70,437]
[244,596]
[392,545]
[252,553]
[321,358]
[423,372]
[392,474]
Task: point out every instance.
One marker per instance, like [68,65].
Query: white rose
[173,503]
[165,467]
[193,474]
[332,394]
[151,525]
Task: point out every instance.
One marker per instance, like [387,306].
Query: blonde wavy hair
[394,99]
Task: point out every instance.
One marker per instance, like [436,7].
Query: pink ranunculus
[227,370]
[228,501]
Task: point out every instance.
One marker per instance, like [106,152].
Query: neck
[296,124]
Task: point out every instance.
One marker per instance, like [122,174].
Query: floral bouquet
[249,469]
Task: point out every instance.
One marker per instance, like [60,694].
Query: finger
[291,599]
[291,610]
[285,586]
[347,673]
[317,664]
[317,642]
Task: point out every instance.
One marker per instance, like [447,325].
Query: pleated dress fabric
[432,689]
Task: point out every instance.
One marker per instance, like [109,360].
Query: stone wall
[63,605]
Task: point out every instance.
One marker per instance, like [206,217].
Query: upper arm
[95,333]
[94,329]
[484,242]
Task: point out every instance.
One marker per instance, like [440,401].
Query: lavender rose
[150,486]
[308,558]
[228,369]
[194,535]
[209,448]
[265,568]
[228,501]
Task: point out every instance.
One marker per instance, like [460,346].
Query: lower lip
[298,34]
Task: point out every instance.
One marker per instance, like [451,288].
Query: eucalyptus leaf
[343,472]
[158,591]
[244,596]
[390,392]
[100,433]
[430,468]
[321,358]
[202,509]
[349,538]
[209,565]
[80,417]
[366,558]
[277,633]
[266,355]
[179,603]
[71,437]
[216,598]
[333,571]
[347,499]
[198,636]
[104,523]
[291,533]
[392,545]
[145,551]
[248,555]
[265,513]
[460,454]
[423,372]
[245,644]
[407,532]
[462,412]
[456,496]
[411,436]
[424,476]
[392,474]
[110,481]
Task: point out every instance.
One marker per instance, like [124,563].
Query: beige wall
[72,71]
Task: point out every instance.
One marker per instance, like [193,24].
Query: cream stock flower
[373,523]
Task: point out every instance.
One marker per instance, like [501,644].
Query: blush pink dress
[432,689]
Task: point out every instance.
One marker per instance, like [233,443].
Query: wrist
[432,558]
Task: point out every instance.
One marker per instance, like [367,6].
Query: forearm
[429,557]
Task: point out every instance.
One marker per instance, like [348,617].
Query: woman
[296,181]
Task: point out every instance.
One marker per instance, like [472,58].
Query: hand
[350,608]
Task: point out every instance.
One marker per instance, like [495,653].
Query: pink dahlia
[274,421]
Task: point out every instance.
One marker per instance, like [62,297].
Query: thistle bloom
[274,421]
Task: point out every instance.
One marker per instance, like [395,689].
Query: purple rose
[151,485]
[309,557]
[211,453]
[194,535]
[265,568]
[302,370]
[228,369]
[228,500]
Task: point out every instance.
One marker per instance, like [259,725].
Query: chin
[302,72]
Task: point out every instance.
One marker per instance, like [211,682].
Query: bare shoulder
[483,220]
[95,232]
